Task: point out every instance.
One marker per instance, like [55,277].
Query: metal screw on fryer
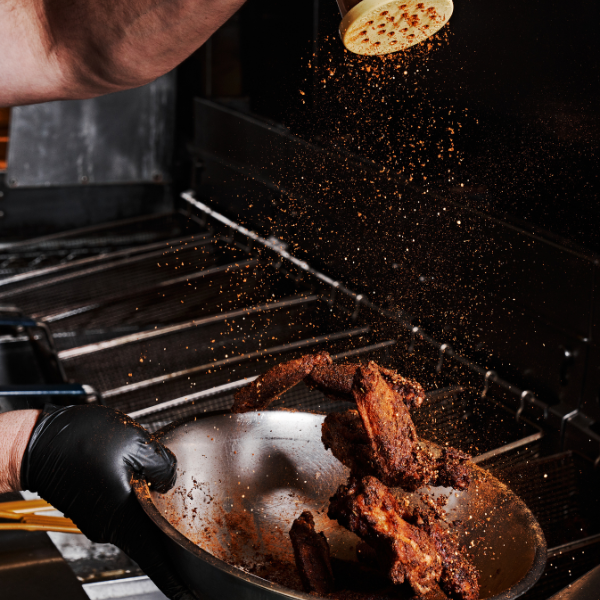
[13,183]
[84,179]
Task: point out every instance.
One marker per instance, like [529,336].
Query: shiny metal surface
[124,137]
[585,588]
[32,568]
[243,479]
[132,588]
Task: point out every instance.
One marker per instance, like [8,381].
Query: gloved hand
[81,460]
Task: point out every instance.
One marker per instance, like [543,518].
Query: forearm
[125,43]
[60,49]
[15,431]
[28,72]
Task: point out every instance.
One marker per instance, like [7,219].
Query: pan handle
[584,588]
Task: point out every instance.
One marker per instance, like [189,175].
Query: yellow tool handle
[36,527]
[10,515]
[48,520]
[25,506]
[23,513]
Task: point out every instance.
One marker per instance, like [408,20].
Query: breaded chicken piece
[258,394]
[312,554]
[366,507]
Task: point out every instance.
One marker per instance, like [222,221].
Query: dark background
[503,100]
[455,181]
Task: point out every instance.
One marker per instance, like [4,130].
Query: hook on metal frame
[443,348]
[411,345]
[486,384]
[563,426]
[524,395]
[358,302]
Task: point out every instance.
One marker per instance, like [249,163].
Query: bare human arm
[72,49]
[15,431]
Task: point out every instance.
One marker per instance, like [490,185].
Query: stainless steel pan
[243,479]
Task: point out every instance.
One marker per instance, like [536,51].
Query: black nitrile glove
[81,460]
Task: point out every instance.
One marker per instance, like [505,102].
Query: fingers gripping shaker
[383,26]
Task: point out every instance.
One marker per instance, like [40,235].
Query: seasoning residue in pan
[243,479]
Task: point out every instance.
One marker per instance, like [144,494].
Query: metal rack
[251,304]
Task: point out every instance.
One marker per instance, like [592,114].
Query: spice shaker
[384,26]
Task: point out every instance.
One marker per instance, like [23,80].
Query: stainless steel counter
[133,588]
[31,568]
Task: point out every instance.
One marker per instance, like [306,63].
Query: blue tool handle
[18,322]
[59,389]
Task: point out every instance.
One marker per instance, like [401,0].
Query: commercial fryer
[434,211]
[132,327]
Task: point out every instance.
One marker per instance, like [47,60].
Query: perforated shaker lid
[381,26]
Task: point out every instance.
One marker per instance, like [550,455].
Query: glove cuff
[48,410]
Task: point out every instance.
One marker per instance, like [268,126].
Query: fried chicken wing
[380,439]
[459,578]
[318,372]
[388,425]
[344,434]
[379,443]
[366,507]
[270,385]
[336,381]
[311,551]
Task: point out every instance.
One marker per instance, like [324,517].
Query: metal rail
[234,360]
[82,231]
[146,335]
[65,314]
[131,256]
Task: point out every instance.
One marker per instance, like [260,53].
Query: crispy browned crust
[335,381]
[312,555]
[366,507]
[270,385]
[411,392]
[388,426]
[344,434]
[459,578]
[453,469]
[395,456]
